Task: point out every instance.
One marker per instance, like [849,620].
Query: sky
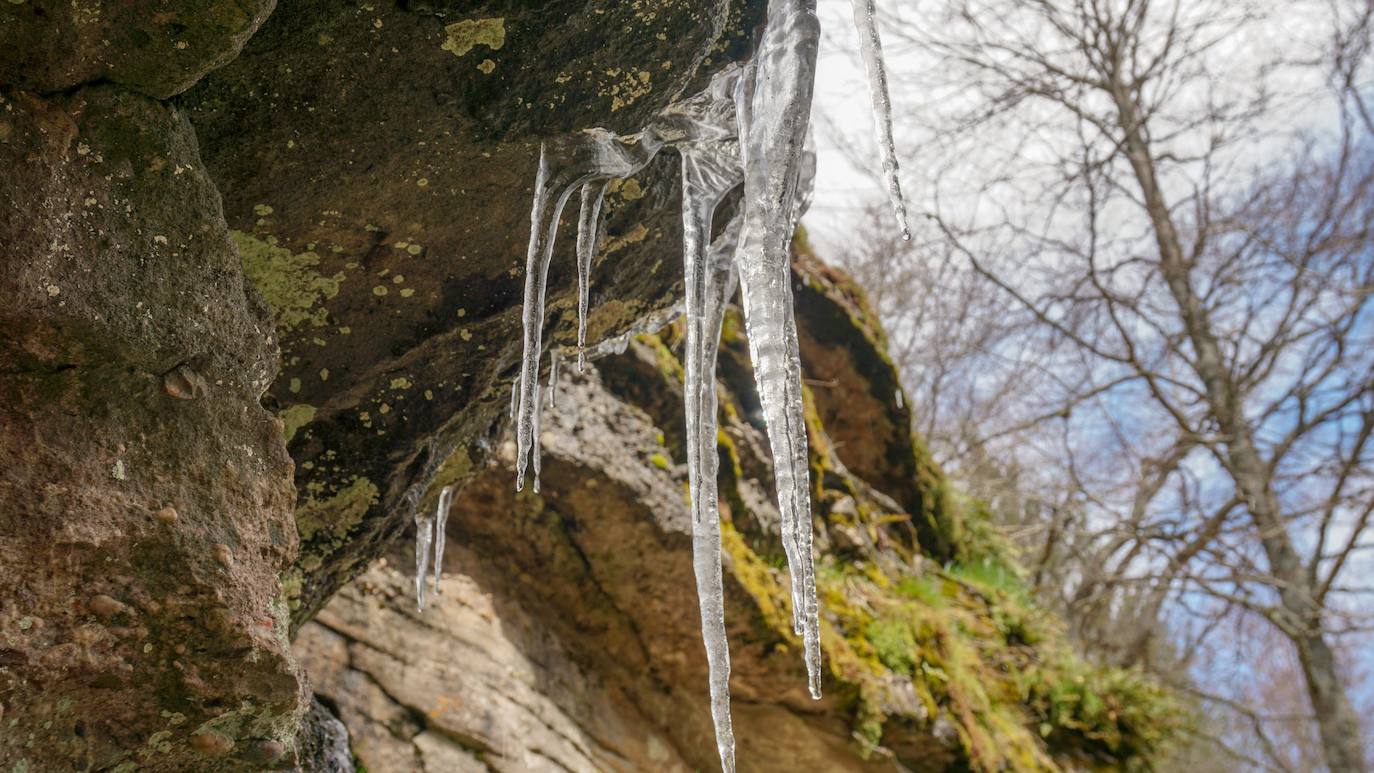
[841,114]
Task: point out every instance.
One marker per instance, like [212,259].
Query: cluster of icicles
[749,128]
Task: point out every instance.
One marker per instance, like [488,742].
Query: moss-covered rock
[930,664]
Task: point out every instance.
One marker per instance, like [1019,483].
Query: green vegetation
[917,644]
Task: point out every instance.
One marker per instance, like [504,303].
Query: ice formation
[429,532]
[871,47]
[440,527]
[749,129]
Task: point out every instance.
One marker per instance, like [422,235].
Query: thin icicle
[871,46]
[588,222]
[553,379]
[538,413]
[592,155]
[441,533]
[774,139]
[424,534]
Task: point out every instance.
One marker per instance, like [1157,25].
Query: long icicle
[871,47]
[441,533]
[708,175]
[588,221]
[774,144]
[544,215]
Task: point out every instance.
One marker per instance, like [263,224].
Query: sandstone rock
[117,266]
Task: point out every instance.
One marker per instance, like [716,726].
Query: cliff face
[256,315]
[567,636]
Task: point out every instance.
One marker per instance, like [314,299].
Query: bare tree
[1173,202]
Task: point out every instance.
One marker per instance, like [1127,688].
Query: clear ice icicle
[553,379]
[588,221]
[773,149]
[430,532]
[595,154]
[441,533]
[710,170]
[871,47]
[424,534]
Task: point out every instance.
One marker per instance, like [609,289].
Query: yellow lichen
[337,514]
[295,417]
[462,36]
[290,283]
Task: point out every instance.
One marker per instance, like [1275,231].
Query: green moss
[962,632]
[895,645]
[668,363]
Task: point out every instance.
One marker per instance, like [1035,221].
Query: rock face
[377,163]
[145,494]
[567,637]
[255,316]
[155,47]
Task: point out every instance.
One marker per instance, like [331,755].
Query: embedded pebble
[211,744]
[183,383]
[224,555]
[265,751]
[105,606]
[167,515]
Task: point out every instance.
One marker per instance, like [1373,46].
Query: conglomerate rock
[145,494]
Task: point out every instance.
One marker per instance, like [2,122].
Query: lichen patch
[463,36]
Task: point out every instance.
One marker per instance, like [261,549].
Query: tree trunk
[1340,733]
[1340,728]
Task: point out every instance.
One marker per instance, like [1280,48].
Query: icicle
[704,327]
[588,222]
[774,137]
[871,46]
[710,170]
[595,154]
[424,533]
[441,533]
[538,413]
[650,324]
[553,379]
